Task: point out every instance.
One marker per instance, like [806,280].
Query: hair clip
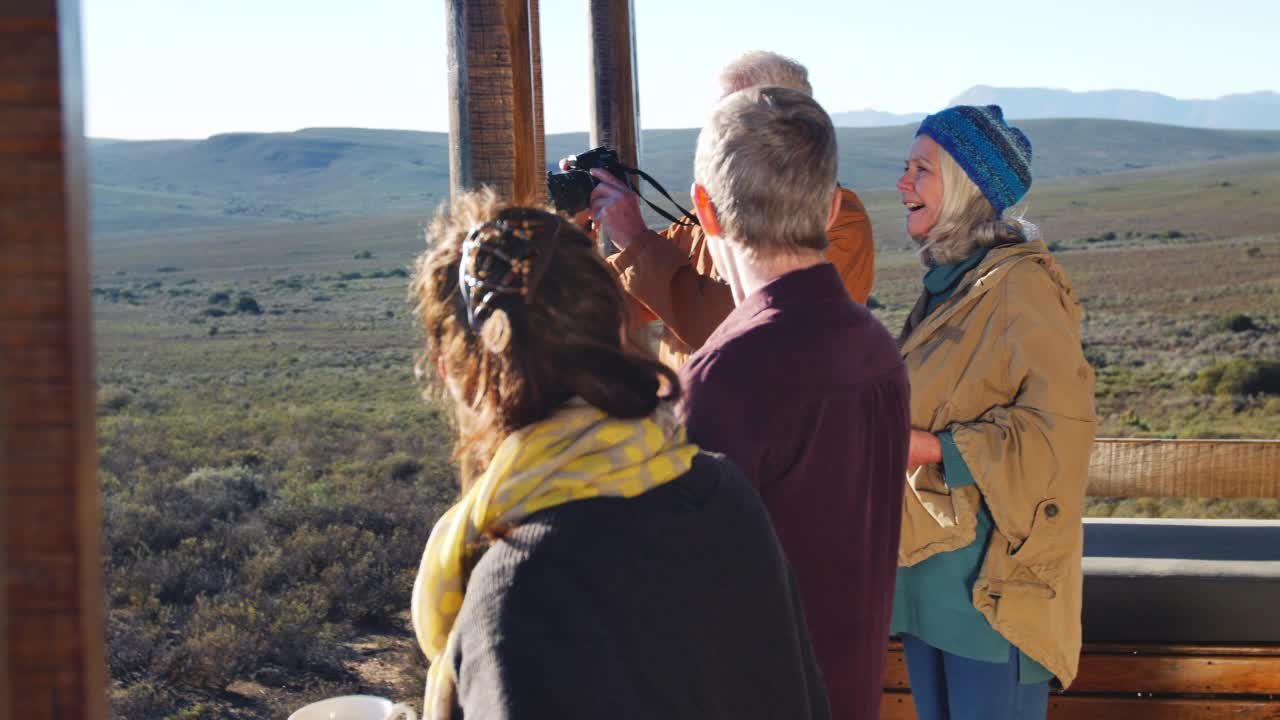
[500,260]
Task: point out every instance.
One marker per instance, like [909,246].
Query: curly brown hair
[528,356]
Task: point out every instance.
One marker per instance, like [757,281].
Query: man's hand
[617,208]
[924,449]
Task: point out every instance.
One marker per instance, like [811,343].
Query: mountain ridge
[319,174]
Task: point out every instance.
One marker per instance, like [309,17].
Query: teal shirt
[933,600]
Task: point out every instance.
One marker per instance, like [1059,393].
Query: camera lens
[570,191]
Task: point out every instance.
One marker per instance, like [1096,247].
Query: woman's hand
[925,449]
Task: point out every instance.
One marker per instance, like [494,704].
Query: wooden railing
[1185,468]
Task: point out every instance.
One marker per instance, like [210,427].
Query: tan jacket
[673,280]
[1000,365]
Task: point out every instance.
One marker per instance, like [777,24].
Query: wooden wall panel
[493,112]
[52,659]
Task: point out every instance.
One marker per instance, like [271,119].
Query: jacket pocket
[1042,552]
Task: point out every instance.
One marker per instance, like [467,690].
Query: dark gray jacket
[674,604]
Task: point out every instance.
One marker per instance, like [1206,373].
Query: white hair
[768,160]
[760,67]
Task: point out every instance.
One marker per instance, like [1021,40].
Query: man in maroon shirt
[800,386]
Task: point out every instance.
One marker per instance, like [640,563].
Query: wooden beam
[1178,675]
[899,706]
[52,654]
[615,99]
[493,111]
[1185,468]
[1067,707]
[1161,670]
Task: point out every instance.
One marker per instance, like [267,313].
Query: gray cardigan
[674,604]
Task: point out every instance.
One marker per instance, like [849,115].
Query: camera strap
[689,218]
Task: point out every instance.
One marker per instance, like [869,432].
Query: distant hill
[331,174]
[873,118]
[1252,111]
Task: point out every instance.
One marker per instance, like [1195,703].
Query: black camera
[570,191]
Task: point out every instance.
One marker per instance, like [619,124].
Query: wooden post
[615,100]
[53,656]
[539,126]
[493,109]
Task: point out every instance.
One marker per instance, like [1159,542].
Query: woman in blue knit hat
[989,580]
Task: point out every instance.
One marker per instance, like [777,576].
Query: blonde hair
[760,67]
[967,220]
[768,160]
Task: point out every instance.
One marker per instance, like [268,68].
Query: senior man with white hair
[800,386]
[669,275]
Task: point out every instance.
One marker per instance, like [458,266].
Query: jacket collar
[975,283]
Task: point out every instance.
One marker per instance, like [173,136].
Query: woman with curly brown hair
[597,564]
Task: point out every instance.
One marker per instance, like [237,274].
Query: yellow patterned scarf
[577,453]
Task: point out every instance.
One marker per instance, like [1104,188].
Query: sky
[193,68]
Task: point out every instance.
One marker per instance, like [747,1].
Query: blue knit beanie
[995,155]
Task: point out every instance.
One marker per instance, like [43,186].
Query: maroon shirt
[805,391]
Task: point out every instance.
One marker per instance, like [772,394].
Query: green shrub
[221,642]
[146,699]
[1236,322]
[1240,377]
[363,255]
[246,304]
[113,399]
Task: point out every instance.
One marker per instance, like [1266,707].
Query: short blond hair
[768,160]
[761,67]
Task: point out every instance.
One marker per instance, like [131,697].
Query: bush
[221,643]
[246,304]
[363,255]
[1237,322]
[219,298]
[1240,377]
[144,700]
[113,399]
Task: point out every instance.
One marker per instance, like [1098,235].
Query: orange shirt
[674,281]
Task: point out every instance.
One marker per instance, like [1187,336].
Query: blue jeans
[950,687]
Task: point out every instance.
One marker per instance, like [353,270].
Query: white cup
[355,707]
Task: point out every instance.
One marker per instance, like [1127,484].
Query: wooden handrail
[1124,467]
